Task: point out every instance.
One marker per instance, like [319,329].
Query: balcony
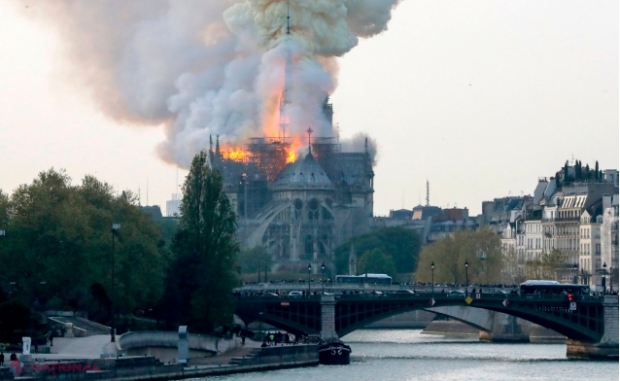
[567,219]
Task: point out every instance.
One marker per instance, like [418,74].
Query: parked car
[456,294]
[403,292]
[295,294]
[270,295]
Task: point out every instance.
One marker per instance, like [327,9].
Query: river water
[408,355]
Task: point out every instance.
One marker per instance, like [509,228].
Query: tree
[377,262]
[510,272]
[546,265]
[551,261]
[201,278]
[481,249]
[255,261]
[597,173]
[59,245]
[403,245]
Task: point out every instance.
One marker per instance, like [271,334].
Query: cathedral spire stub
[288,18]
[309,131]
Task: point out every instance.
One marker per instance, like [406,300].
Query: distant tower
[428,199]
[284,98]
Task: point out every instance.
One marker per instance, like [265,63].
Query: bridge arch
[585,323]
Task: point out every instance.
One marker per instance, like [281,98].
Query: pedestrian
[15,366]
[51,338]
[1,359]
[242,338]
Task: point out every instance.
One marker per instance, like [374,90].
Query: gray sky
[479,97]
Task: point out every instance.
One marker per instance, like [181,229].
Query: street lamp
[611,279]
[604,277]
[575,273]
[322,278]
[433,278]
[309,271]
[466,278]
[115,229]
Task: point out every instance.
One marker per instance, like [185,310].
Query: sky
[480,98]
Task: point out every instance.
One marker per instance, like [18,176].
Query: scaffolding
[268,155]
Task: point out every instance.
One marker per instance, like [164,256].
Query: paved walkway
[90,347]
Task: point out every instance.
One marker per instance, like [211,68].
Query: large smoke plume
[203,67]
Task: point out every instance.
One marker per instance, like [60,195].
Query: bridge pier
[607,347]
[505,328]
[328,317]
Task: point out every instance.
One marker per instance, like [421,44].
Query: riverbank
[241,360]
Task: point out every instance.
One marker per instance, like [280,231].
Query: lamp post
[604,277]
[466,278]
[309,271]
[433,278]
[575,273]
[322,278]
[115,228]
[483,257]
[611,279]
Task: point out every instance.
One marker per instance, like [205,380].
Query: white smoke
[209,67]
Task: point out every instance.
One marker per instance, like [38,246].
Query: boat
[334,352]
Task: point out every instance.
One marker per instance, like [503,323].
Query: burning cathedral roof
[303,174]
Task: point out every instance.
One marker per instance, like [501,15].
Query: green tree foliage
[255,261]
[402,245]
[377,262]
[546,265]
[481,249]
[201,278]
[58,247]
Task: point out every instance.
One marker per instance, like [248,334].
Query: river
[408,355]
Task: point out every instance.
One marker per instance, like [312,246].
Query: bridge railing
[427,295]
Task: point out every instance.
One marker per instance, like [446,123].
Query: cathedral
[300,211]
[299,204]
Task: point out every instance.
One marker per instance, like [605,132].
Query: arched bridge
[330,315]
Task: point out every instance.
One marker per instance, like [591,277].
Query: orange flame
[296,143]
[233,153]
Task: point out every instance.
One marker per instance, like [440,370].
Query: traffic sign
[506,302]
[432,302]
[284,303]
[573,306]
[468,300]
